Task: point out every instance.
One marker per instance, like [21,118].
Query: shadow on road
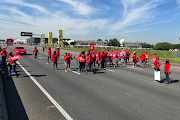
[35,76]
[15,107]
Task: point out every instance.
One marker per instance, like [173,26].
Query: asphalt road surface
[122,93]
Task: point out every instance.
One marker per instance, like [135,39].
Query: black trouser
[102,63]
[54,64]
[3,61]
[167,76]
[89,65]
[49,57]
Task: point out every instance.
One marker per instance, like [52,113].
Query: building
[2,41]
[19,41]
[131,45]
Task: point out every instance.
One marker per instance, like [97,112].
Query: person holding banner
[156,65]
[11,65]
[35,53]
[3,54]
[54,60]
[167,70]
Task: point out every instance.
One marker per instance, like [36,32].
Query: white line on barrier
[64,113]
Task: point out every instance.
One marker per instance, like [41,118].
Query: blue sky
[150,21]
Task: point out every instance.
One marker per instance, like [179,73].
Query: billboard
[26,34]
[43,39]
[60,37]
[49,38]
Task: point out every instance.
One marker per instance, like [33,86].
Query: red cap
[68,52]
[167,59]
[87,53]
[141,52]
[10,53]
[154,53]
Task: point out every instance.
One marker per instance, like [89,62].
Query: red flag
[16,57]
[9,42]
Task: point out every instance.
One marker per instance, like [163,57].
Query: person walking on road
[142,56]
[3,54]
[156,65]
[44,48]
[65,61]
[103,57]
[54,60]
[128,54]
[69,61]
[58,52]
[89,63]
[11,65]
[167,70]
[35,52]
[82,61]
[134,59]
[94,59]
[49,55]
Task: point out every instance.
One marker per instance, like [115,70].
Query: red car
[19,50]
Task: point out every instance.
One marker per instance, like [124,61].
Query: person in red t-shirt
[68,61]
[49,54]
[94,59]
[89,62]
[35,52]
[103,57]
[3,54]
[65,61]
[128,54]
[82,61]
[11,65]
[54,60]
[134,59]
[58,53]
[154,57]
[156,65]
[167,70]
[142,56]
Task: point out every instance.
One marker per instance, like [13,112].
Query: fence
[176,54]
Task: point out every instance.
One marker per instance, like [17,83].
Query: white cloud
[80,7]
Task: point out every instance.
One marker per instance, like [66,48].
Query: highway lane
[123,93]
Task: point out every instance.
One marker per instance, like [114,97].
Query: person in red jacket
[54,60]
[89,62]
[69,61]
[3,54]
[134,59]
[142,56]
[167,70]
[49,54]
[35,53]
[11,65]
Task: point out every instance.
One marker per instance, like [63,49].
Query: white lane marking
[40,58]
[127,94]
[65,114]
[75,72]
[111,70]
[134,68]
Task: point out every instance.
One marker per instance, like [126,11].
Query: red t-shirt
[134,57]
[88,59]
[166,67]
[103,56]
[154,57]
[11,61]
[57,52]
[93,56]
[3,52]
[35,51]
[81,59]
[49,51]
[54,57]
[69,57]
[65,58]
[156,63]
[128,54]
[142,56]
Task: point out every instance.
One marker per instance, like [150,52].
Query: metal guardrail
[176,54]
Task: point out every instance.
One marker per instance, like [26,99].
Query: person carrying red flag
[54,60]
[167,70]
[11,65]
[35,51]
[142,56]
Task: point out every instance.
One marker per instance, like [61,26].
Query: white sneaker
[133,66]
[47,63]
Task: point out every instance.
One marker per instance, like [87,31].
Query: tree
[65,43]
[145,45]
[114,42]
[163,46]
[73,43]
[99,40]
